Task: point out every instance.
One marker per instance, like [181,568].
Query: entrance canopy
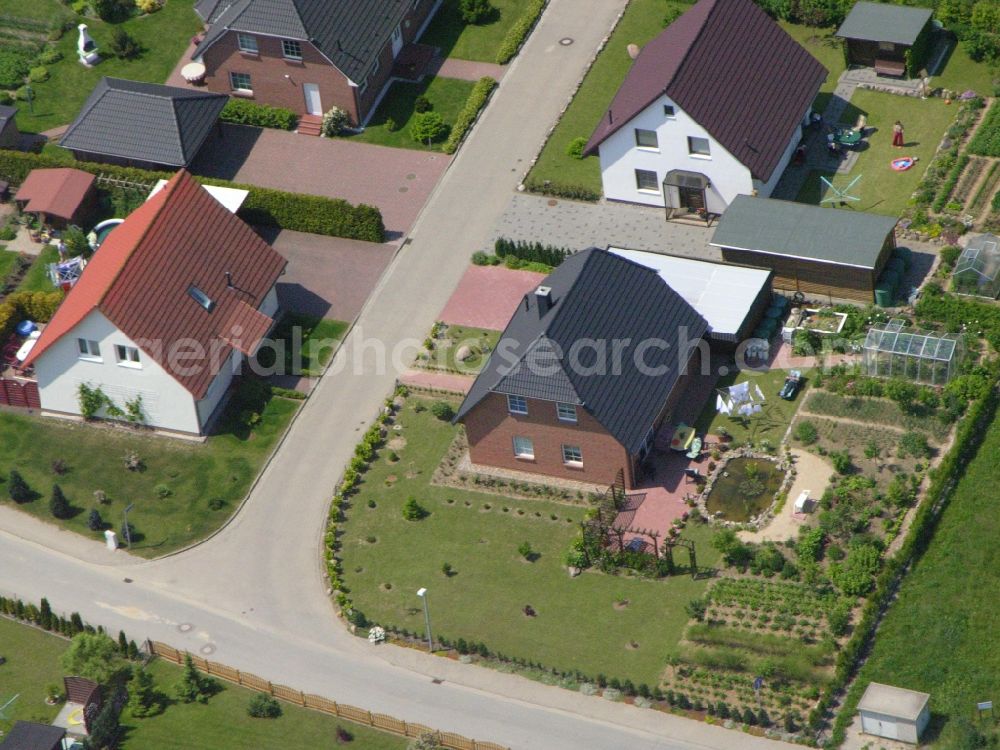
[681,178]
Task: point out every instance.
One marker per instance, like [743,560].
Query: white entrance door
[397,41]
[314,105]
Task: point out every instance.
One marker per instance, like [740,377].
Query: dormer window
[201,298]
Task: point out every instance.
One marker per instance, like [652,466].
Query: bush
[696,609]
[14,66]
[519,31]
[525,551]
[561,190]
[335,121]
[245,112]
[192,687]
[914,444]
[94,520]
[443,410]
[38,74]
[427,127]
[413,511]
[149,6]
[533,252]
[124,45]
[142,697]
[478,97]
[422,104]
[841,460]
[18,489]
[391,125]
[806,433]
[263,707]
[58,504]
[312,214]
[112,10]
[856,575]
[475,11]
[575,147]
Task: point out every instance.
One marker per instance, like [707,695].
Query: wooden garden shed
[894,713]
[893,39]
[832,252]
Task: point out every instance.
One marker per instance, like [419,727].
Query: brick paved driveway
[487,296]
[328,277]
[397,180]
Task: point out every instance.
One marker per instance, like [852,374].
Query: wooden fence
[319,703]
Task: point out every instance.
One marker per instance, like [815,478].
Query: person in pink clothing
[897,134]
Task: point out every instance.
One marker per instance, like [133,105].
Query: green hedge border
[968,437]
[333,217]
[517,33]
[478,98]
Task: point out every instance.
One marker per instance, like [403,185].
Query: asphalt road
[253,595]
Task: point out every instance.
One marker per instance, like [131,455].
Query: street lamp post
[422,593]
[125,528]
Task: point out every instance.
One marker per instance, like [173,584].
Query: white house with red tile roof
[166,310]
[712,108]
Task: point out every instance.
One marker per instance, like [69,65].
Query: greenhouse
[977,271]
[891,351]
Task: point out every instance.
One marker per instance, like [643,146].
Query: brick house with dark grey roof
[712,108]
[167,310]
[587,369]
[308,55]
[145,125]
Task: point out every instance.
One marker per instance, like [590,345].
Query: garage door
[880,726]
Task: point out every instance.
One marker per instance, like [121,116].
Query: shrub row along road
[253,595]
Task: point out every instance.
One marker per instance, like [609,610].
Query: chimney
[543,298]
[229,280]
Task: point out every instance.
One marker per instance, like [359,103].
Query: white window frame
[248,44]
[284,49]
[234,87]
[638,182]
[670,111]
[363,86]
[646,132]
[572,455]
[89,350]
[524,447]
[566,412]
[698,154]
[521,404]
[127,356]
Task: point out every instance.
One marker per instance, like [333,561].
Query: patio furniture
[801,501]
[847,137]
[26,347]
[682,438]
[895,68]
[193,72]
[695,453]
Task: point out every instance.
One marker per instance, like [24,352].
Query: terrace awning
[682,178]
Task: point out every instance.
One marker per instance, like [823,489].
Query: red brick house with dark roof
[166,310]
[712,108]
[308,55]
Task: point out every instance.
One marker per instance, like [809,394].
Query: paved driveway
[487,296]
[328,277]
[396,180]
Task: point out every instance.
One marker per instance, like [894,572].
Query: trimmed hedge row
[968,436]
[561,190]
[315,214]
[519,31]
[245,112]
[478,98]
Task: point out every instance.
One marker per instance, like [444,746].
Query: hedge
[245,112]
[519,31]
[36,306]
[478,97]
[560,190]
[968,436]
[264,206]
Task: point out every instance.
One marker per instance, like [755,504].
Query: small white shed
[894,713]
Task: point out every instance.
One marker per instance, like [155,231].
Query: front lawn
[451,340]
[881,189]
[183,490]
[390,125]
[642,21]
[32,664]
[577,625]
[163,35]
[940,635]
[37,278]
[222,724]
[772,421]
[308,343]
[479,42]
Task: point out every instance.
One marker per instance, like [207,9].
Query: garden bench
[890,68]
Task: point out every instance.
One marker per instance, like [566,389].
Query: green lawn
[770,424]
[961,73]
[190,475]
[32,664]
[222,724]
[577,626]
[447,95]
[481,341]
[8,261]
[314,339]
[163,35]
[642,21]
[941,635]
[37,278]
[880,189]
[37,10]
[472,41]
